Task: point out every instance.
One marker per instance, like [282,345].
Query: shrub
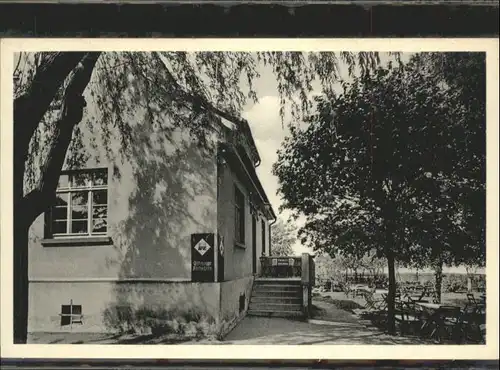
[119,318]
[157,321]
[454,283]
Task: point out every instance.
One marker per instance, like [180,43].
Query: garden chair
[407,316]
[479,306]
[472,324]
[373,304]
[471,299]
[397,297]
[432,294]
[419,298]
[347,290]
[448,323]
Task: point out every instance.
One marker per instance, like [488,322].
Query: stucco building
[160,225]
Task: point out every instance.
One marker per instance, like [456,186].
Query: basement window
[71,314]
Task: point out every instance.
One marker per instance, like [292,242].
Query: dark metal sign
[202,257]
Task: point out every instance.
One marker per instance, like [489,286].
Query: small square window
[70,314]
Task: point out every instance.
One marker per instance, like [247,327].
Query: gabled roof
[241,125]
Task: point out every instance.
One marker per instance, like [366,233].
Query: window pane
[77,309]
[81,179]
[59,213]
[242,230]
[65,309]
[100,197]
[239,198]
[79,212]
[99,211]
[100,177]
[65,320]
[100,225]
[63,181]
[61,199]
[79,198]
[79,227]
[59,227]
[237,225]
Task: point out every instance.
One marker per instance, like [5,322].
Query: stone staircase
[276,298]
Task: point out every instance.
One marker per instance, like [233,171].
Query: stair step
[267,287]
[281,282]
[278,281]
[275,299]
[276,293]
[266,306]
[295,314]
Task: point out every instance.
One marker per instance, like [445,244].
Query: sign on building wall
[202,257]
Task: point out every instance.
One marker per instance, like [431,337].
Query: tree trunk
[28,208]
[391,322]
[438,275]
[30,107]
[469,280]
[20,278]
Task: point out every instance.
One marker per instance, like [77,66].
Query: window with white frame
[239,216]
[81,205]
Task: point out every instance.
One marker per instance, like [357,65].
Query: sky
[268,132]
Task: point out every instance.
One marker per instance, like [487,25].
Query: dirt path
[279,331]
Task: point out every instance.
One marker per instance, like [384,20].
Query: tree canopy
[394,163]
[283,237]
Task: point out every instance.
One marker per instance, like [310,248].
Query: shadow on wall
[173,195]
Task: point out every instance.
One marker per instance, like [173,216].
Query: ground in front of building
[330,325]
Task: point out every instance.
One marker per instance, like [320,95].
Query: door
[254,245]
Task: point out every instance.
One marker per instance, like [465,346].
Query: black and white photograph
[260,197]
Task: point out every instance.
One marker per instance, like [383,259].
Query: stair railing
[280,267]
[302,268]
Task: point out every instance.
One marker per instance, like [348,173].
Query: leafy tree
[370,170]
[337,267]
[51,92]
[325,268]
[283,237]
[452,226]
[373,264]
[330,269]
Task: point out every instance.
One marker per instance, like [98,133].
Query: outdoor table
[434,312]
[430,306]
[416,299]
